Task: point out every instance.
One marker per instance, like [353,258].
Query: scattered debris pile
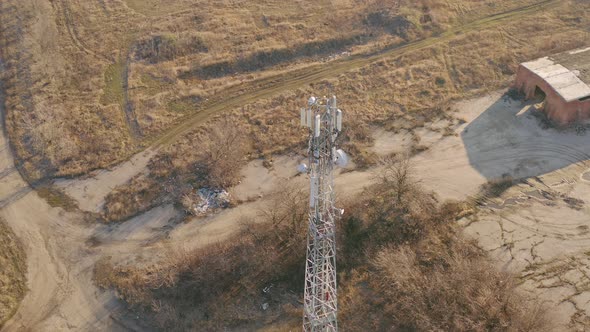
[202,201]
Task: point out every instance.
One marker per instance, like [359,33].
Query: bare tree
[287,209]
[224,154]
[397,175]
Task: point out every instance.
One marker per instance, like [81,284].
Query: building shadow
[511,138]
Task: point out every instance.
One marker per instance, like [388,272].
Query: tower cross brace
[320,307]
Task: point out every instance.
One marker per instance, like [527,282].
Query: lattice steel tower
[324,120]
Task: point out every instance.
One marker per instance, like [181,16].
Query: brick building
[562,82]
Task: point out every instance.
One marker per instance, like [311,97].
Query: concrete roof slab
[575,92]
[568,73]
[539,63]
[552,70]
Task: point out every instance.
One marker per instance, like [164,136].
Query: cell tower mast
[320,306]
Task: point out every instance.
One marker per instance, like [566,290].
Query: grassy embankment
[13,270]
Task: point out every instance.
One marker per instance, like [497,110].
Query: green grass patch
[184,105]
[113,78]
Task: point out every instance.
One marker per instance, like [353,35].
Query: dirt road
[62,249]
[266,87]
[521,229]
[61,294]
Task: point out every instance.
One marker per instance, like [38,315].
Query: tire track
[127,107]
[263,88]
[130,116]
[73,32]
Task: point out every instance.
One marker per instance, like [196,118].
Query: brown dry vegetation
[402,92]
[221,285]
[214,162]
[13,269]
[88,83]
[52,86]
[403,265]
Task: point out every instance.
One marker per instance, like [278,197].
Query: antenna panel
[303,118]
[339,120]
[318,123]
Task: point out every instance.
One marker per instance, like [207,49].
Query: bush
[13,270]
[159,48]
[402,262]
[223,156]
[441,283]
[220,286]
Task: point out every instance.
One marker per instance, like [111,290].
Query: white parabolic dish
[341,158]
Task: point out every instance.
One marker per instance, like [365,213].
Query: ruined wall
[556,108]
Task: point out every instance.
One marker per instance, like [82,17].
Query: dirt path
[61,294]
[91,190]
[500,136]
[266,87]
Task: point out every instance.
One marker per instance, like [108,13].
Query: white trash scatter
[210,198]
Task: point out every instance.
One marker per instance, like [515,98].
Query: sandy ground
[537,229]
[91,191]
[61,294]
[540,228]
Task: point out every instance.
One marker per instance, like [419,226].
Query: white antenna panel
[339,120]
[318,122]
[309,117]
[303,118]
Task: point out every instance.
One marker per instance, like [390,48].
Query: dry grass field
[403,91]
[209,85]
[12,273]
[89,83]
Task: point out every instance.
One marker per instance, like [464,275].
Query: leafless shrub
[397,175]
[188,201]
[443,283]
[219,286]
[167,47]
[356,137]
[223,155]
[405,267]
